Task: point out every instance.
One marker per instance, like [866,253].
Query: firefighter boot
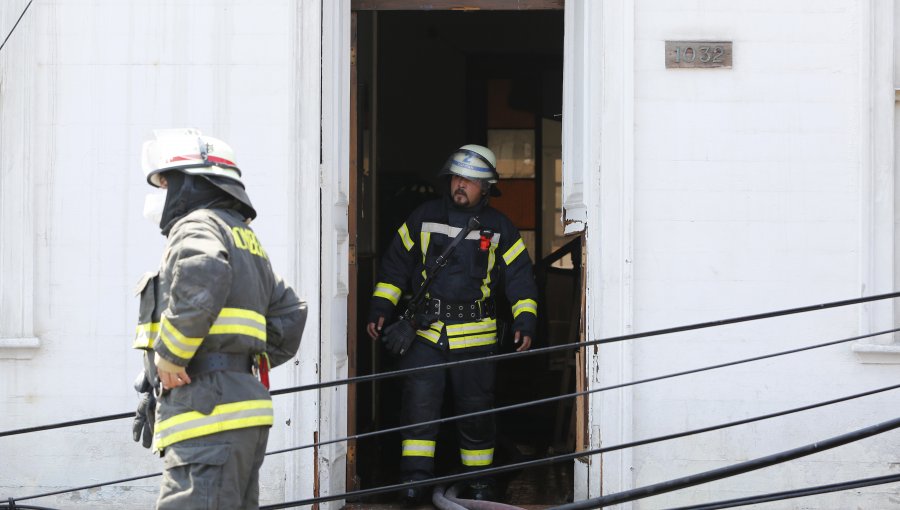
[482,490]
[414,496]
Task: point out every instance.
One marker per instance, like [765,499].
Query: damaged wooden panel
[439,5]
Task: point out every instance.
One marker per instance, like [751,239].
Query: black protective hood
[186,193]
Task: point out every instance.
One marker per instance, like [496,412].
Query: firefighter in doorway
[459,320]
[212,320]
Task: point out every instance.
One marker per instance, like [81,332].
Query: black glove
[398,337]
[145,416]
[424,320]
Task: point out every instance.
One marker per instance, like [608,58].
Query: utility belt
[204,362]
[461,310]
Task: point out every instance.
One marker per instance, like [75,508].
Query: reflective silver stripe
[145,335]
[524,305]
[235,415]
[176,342]
[418,448]
[514,251]
[240,321]
[387,291]
[433,333]
[477,457]
[469,328]
[404,236]
[486,282]
[472,334]
[462,342]
[447,230]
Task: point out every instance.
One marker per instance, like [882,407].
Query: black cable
[537,462]
[577,394]
[537,402]
[796,493]
[67,424]
[508,408]
[580,345]
[575,455]
[13,29]
[83,487]
[503,357]
[15,506]
[551,399]
[733,470]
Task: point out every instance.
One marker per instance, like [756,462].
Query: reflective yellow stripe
[468,328]
[514,251]
[404,236]
[477,457]
[239,321]
[145,335]
[433,333]
[388,291]
[236,415]
[461,342]
[472,334]
[418,448]
[182,346]
[425,238]
[524,305]
[486,282]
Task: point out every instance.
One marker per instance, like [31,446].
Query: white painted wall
[83,84]
[705,195]
[753,191]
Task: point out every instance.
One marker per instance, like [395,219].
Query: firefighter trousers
[215,472]
[472,390]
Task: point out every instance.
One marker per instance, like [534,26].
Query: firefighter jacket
[215,292]
[462,295]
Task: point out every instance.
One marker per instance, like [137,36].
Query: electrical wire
[67,424]
[589,343]
[582,393]
[551,460]
[84,487]
[547,400]
[13,29]
[733,470]
[586,453]
[796,493]
[551,399]
[543,350]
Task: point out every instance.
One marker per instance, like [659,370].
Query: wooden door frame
[353,166]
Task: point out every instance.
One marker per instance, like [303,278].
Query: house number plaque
[702,54]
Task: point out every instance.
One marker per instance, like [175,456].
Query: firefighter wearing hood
[212,320]
[461,320]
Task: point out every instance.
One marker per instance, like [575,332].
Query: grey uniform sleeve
[285,321]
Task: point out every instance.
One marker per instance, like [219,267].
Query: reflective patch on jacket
[472,334]
[148,314]
[236,415]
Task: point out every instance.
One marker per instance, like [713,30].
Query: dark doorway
[426,83]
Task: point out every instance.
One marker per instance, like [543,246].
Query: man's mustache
[459,191]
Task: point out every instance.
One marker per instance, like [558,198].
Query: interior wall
[426,107]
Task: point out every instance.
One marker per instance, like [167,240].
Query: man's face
[465,192]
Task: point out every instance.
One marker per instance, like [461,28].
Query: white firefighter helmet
[188,151]
[472,162]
